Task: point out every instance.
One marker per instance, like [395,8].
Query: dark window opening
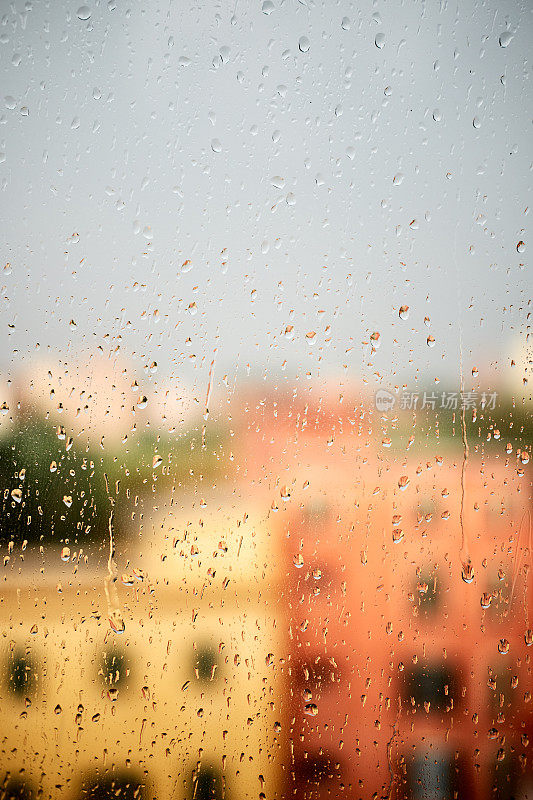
[15,789]
[431,684]
[207,785]
[20,673]
[434,776]
[115,787]
[114,668]
[317,768]
[504,785]
[206,663]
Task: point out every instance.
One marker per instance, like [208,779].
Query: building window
[114,668]
[431,686]
[21,676]
[207,784]
[436,776]
[114,787]
[15,789]
[316,768]
[206,663]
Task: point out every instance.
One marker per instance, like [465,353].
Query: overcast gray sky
[318,164]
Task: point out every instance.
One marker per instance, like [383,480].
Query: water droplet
[311,709]
[67,499]
[403,483]
[379,40]
[374,338]
[65,554]
[142,402]
[278,182]
[486,600]
[528,637]
[116,621]
[216,147]
[58,709]
[404,312]
[524,457]
[298,561]
[437,116]
[84,13]
[156,461]
[397,180]
[269,660]
[16,494]
[503,646]
[386,441]
[10,102]
[505,38]
[467,572]
[476,122]
[303,44]
[397,535]
[430,341]
[268,7]
[475,372]
[346,23]
[520,247]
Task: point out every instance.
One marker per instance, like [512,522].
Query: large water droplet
[379,40]
[404,312]
[467,572]
[84,13]
[505,38]
[503,646]
[304,44]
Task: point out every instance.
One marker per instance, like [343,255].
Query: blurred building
[183,703]
[408,669]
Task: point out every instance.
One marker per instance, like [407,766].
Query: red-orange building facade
[408,671]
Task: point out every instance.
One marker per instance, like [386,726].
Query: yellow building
[184,702]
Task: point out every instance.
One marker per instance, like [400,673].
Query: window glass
[265,400]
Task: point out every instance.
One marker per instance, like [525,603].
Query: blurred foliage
[55,489]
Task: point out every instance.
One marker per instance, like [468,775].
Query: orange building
[406,607]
